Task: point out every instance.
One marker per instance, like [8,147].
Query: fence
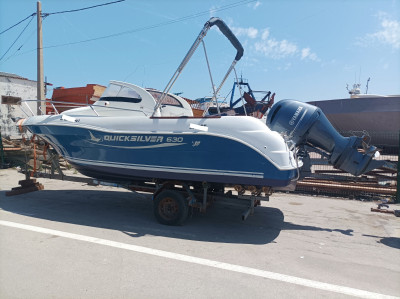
[324,179]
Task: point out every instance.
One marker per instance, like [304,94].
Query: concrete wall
[16,87]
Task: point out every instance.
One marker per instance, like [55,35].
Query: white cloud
[265,34]
[390,33]
[387,34]
[275,49]
[213,10]
[287,48]
[279,49]
[250,32]
[263,43]
[256,5]
[307,54]
[285,67]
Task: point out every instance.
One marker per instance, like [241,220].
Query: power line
[196,15]
[31,15]
[44,15]
[17,38]
[60,12]
[23,43]
[79,9]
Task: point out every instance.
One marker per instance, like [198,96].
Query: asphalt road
[77,241]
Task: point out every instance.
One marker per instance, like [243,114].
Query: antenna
[366,90]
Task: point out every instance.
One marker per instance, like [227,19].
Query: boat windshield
[168,99]
[120,93]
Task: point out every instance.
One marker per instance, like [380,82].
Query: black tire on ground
[170,208]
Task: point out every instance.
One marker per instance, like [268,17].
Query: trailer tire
[170,208]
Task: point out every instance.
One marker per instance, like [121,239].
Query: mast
[366,90]
[40,76]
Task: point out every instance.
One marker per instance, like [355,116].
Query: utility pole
[40,77]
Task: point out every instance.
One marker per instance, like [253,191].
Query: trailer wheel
[170,208]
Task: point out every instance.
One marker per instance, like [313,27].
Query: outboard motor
[307,126]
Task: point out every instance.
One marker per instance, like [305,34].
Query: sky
[306,50]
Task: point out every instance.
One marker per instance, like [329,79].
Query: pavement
[72,240]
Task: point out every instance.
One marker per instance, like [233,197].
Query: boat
[117,138]
[246,104]
[251,105]
[71,96]
[376,116]
[133,134]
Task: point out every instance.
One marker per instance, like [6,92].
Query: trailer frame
[172,199]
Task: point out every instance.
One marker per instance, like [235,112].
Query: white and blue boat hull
[169,149]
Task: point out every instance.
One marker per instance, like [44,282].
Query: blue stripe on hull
[124,174]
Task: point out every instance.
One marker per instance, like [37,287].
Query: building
[13,89]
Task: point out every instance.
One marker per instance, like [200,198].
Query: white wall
[15,87]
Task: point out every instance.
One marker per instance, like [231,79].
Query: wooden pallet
[26,186]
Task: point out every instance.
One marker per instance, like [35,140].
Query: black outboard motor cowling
[305,124]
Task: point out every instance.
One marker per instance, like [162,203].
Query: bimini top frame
[229,35]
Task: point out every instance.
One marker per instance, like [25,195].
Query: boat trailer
[172,200]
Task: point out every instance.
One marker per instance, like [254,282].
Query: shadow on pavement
[132,213]
[391,242]
[388,241]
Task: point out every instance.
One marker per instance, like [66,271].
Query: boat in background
[376,116]
[64,99]
[247,104]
